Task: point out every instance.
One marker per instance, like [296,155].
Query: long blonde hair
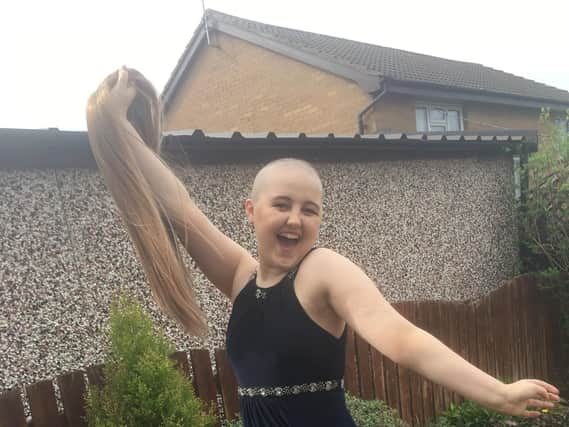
[147,222]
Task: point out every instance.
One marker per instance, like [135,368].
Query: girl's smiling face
[286,211]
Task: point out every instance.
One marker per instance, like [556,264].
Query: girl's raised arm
[123,120]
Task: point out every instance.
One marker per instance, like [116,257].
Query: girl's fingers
[123,77]
[122,94]
[531,414]
[548,387]
[540,403]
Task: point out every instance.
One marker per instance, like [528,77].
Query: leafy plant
[372,413]
[544,218]
[545,202]
[470,414]
[235,423]
[142,388]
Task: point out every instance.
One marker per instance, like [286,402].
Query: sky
[55,53]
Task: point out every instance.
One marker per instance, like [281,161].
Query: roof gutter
[426,90]
[374,101]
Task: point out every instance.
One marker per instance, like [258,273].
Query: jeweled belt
[290,390]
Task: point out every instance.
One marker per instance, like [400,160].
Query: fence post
[12,409]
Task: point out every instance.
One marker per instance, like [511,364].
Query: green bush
[470,414]
[236,423]
[372,413]
[142,388]
[545,201]
[544,218]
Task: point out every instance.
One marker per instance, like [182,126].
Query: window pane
[437,129]
[453,120]
[437,114]
[562,124]
[421,119]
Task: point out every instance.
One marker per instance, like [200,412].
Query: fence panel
[415,380]
[180,359]
[43,405]
[405,397]
[350,371]
[365,378]
[203,379]
[12,409]
[511,333]
[72,387]
[227,385]
[95,375]
[379,387]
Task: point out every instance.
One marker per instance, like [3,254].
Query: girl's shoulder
[321,262]
[322,254]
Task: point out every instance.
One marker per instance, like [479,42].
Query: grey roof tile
[395,63]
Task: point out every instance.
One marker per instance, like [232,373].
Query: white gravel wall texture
[422,229]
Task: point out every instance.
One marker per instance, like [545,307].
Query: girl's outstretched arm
[355,298]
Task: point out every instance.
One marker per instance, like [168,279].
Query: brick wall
[396,113]
[235,85]
[392,113]
[487,116]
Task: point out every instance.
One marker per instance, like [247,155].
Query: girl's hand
[121,95]
[522,394]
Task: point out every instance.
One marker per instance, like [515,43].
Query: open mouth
[287,241]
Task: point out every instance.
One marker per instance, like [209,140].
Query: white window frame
[561,123]
[437,106]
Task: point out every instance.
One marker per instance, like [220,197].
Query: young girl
[287,331]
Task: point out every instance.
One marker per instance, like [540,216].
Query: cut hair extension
[147,222]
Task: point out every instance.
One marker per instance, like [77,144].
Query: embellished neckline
[262,292]
[290,276]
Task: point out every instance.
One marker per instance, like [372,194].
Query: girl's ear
[249,210]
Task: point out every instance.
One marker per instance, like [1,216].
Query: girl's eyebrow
[316,205]
[288,199]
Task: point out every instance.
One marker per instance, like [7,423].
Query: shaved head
[288,165]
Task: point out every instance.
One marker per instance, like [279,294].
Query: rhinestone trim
[290,390]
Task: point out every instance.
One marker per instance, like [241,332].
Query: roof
[52,148]
[369,64]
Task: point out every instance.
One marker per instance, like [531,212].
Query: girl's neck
[269,276]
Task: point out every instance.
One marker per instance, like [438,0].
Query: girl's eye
[310,212]
[280,205]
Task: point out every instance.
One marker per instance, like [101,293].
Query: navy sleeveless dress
[290,370]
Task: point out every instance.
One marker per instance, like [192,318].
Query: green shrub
[372,413]
[544,219]
[545,201]
[142,388]
[470,414]
[236,423]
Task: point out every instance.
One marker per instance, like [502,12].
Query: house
[247,76]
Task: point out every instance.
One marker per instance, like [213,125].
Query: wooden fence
[511,333]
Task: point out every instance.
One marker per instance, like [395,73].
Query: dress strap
[291,275]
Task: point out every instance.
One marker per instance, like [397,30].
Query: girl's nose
[293,218]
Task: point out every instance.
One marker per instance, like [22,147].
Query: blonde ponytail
[147,222]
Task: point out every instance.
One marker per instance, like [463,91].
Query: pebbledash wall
[427,217]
